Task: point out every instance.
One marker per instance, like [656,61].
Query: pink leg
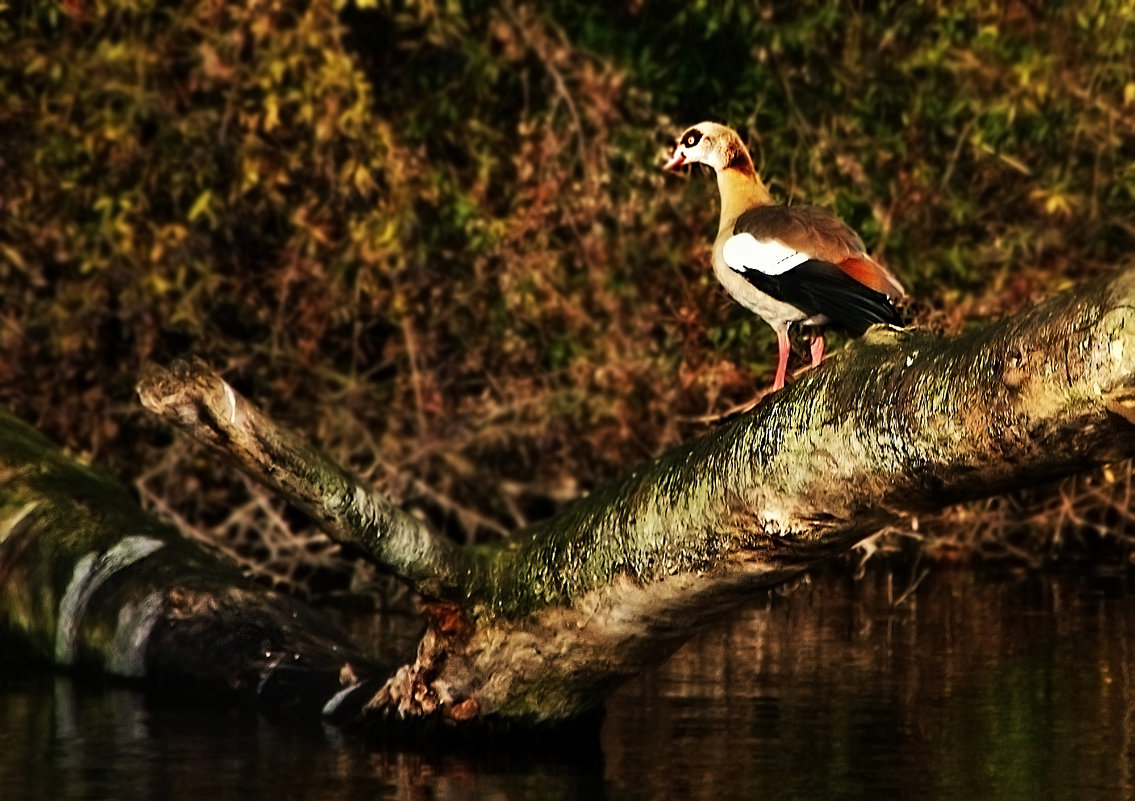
[817,347]
[782,363]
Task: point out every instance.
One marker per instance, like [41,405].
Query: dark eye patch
[691,138]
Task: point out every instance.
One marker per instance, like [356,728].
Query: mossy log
[539,629]
[90,582]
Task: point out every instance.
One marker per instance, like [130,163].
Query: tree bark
[539,629]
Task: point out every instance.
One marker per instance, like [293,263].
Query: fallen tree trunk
[896,423]
[88,581]
[540,628]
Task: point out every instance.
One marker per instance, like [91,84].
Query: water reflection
[968,689]
[61,742]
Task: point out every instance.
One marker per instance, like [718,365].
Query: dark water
[969,689]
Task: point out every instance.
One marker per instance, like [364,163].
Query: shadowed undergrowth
[437,241]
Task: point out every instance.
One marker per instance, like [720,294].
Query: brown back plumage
[820,234]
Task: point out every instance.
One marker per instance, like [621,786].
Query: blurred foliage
[434,236]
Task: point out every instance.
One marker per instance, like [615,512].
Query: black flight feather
[819,287]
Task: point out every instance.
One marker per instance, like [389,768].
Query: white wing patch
[744,252]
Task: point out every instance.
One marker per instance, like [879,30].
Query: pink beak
[676,161]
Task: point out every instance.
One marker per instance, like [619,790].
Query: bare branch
[201,403]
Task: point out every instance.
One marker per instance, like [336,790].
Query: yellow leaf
[13,255]
[272,117]
[1055,202]
[388,234]
[1058,204]
[201,206]
[364,183]
[37,64]
[159,284]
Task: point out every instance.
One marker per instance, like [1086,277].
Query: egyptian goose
[787,264]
